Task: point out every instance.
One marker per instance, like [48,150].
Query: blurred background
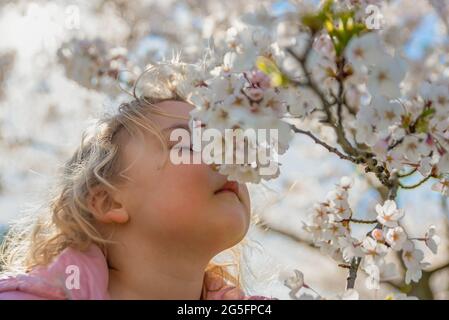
[48,96]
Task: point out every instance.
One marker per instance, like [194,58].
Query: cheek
[186,191]
[174,200]
[179,204]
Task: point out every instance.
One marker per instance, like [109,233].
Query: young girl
[127,223]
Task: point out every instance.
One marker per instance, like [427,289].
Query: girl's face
[182,206]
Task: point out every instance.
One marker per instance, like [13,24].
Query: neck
[155,274]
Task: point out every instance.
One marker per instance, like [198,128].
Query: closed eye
[177,146]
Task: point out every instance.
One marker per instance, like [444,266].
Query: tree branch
[352,276]
[309,82]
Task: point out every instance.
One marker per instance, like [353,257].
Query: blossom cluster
[330,225]
[94,64]
[300,290]
[242,101]
[403,129]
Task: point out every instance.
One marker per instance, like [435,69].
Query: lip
[230,186]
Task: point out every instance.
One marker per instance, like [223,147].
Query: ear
[106,207]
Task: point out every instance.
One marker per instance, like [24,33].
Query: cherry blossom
[413,147]
[373,249]
[388,113]
[364,50]
[432,240]
[350,248]
[294,281]
[388,214]
[412,258]
[384,77]
[396,237]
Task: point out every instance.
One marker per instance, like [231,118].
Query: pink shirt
[49,282]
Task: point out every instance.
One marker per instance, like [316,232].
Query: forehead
[173,114]
[177,112]
[134,150]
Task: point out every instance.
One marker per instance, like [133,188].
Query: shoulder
[73,274]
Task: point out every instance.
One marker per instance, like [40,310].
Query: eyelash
[185,147]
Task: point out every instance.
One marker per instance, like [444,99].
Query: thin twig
[324,144]
[413,186]
[408,173]
[437,269]
[362,221]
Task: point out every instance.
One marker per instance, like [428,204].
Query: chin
[234,226]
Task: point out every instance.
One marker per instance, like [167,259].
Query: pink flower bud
[429,140]
[377,234]
[260,79]
[254,93]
